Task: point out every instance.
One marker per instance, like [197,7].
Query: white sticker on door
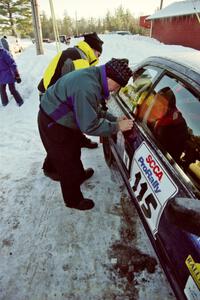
[151,185]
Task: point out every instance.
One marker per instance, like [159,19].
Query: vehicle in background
[64,39]
[159,161]
[121,32]
[46,41]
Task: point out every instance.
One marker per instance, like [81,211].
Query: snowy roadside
[51,252]
[48,251]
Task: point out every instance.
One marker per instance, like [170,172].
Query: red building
[177,24]
[144,22]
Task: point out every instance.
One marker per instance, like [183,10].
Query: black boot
[84,204]
[87,143]
[88,173]
[4,103]
[19,103]
[51,175]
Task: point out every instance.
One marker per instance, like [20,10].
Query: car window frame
[147,133]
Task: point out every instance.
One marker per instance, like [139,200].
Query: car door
[160,163]
[177,135]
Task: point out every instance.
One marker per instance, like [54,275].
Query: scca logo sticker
[151,185]
[151,169]
[153,165]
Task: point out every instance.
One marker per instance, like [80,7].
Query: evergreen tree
[121,20]
[47,27]
[15,17]
[67,25]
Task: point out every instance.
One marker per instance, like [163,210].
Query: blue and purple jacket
[8,67]
[75,101]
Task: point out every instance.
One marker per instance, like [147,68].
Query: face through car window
[172,113]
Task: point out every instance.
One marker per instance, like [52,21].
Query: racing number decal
[149,200]
[137,180]
[151,185]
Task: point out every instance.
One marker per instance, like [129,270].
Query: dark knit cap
[93,41]
[118,70]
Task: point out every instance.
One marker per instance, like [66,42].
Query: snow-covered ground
[48,251]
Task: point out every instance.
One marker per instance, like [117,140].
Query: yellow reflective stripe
[50,70]
[80,64]
[89,52]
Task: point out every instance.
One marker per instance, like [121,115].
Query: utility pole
[37,27]
[76,23]
[161,4]
[55,27]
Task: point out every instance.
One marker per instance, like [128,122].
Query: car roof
[184,69]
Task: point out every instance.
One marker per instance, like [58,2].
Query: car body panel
[153,176]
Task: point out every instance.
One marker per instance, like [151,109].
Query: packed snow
[49,251]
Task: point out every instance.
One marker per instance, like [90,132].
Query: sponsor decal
[151,184]
[194,269]
[150,168]
[191,290]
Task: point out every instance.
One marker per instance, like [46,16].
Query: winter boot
[88,173]
[84,204]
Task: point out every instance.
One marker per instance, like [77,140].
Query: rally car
[159,161]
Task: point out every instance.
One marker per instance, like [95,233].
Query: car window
[172,113]
[134,92]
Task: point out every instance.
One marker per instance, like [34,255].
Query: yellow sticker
[194,269]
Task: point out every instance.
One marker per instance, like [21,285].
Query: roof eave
[170,16]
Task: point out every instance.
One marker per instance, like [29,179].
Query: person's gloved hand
[17,78]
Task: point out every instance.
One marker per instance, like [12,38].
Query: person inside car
[72,106]
[171,128]
[85,54]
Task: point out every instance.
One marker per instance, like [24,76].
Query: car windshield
[138,89]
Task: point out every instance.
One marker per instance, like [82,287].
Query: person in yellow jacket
[83,55]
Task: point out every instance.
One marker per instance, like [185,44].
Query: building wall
[183,30]
[144,23]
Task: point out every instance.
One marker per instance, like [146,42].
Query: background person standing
[8,76]
[4,43]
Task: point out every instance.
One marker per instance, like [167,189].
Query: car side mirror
[185,214]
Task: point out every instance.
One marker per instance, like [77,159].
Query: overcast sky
[92,8]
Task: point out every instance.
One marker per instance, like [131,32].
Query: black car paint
[170,244]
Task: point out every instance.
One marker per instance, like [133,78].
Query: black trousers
[48,164]
[13,91]
[63,147]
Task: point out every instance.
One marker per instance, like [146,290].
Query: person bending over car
[85,54]
[72,106]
